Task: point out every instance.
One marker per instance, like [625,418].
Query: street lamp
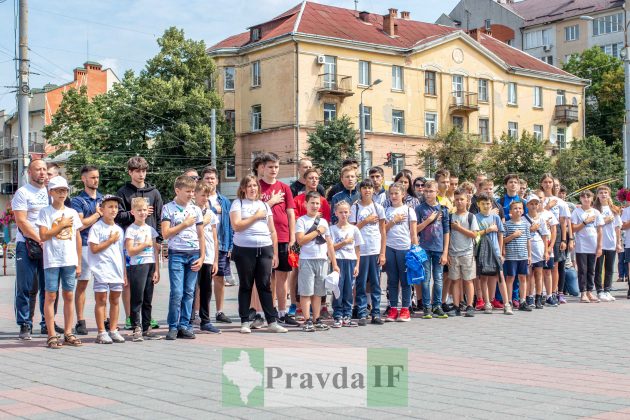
[362,125]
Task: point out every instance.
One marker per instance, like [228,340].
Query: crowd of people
[293,246]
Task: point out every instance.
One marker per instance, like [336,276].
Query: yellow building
[313,62]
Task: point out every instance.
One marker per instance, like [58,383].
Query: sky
[122,34]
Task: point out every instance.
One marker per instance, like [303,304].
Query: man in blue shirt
[350,193]
[88,205]
[512,186]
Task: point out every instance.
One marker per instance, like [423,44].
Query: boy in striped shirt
[517,249]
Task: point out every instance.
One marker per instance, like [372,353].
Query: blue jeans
[27,272]
[67,276]
[622,267]
[432,270]
[368,270]
[183,282]
[343,306]
[571,282]
[396,269]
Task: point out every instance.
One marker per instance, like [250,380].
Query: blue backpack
[415,259]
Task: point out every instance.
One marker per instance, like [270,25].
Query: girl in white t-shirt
[587,225]
[401,233]
[347,241]
[611,242]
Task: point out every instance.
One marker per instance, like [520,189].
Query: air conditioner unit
[321,59]
[547,47]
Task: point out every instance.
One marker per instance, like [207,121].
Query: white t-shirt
[550,221]
[625,217]
[187,239]
[312,250]
[31,200]
[536,240]
[586,239]
[139,235]
[347,252]
[61,250]
[609,230]
[257,235]
[561,209]
[209,237]
[371,232]
[108,266]
[399,236]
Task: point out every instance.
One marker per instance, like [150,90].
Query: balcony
[9,153]
[36,147]
[566,114]
[334,85]
[464,101]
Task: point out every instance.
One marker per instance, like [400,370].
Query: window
[398,122]
[330,72]
[547,59]
[561,97]
[398,162]
[538,97]
[397,78]
[430,124]
[230,119]
[364,73]
[256,73]
[228,83]
[537,39]
[513,129]
[367,118]
[561,137]
[458,89]
[613,50]
[330,112]
[572,33]
[512,94]
[484,130]
[538,132]
[608,24]
[458,122]
[430,166]
[429,83]
[255,34]
[256,118]
[230,167]
[482,90]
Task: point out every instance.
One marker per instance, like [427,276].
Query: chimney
[92,65]
[389,22]
[405,15]
[78,73]
[475,34]
[364,16]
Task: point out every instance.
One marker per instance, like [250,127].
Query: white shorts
[107,287]
[86,273]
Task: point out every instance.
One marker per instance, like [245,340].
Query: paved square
[568,362]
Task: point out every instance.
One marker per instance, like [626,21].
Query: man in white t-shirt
[26,204]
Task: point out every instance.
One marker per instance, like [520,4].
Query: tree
[604,97]
[329,145]
[524,156]
[456,151]
[589,160]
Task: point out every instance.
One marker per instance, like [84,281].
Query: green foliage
[589,160]
[604,98]
[456,151]
[524,156]
[329,145]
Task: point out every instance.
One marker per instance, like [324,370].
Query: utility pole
[626,123]
[23,92]
[213,138]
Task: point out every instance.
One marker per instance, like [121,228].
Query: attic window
[255,34]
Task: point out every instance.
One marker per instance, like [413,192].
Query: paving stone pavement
[569,362]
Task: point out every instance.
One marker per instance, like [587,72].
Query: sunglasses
[419,185]
[196,178]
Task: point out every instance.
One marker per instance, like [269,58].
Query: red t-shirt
[300,207]
[279,211]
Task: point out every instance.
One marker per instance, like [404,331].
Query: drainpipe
[297,106]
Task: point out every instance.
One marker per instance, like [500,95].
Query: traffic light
[389,159]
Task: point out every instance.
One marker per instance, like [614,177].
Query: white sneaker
[116,337]
[245,328]
[611,298]
[274,327]
[449,300]
[103,338]
[603,297]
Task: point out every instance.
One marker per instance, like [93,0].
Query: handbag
[319,239]
[33,249]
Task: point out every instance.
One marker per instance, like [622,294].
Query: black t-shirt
[474,208]
[297,187]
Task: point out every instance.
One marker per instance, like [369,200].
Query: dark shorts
[496,273]
[626,254]
[515,268]
[558,256]
[548,265]
[539,264]
[224,269]
[283,257]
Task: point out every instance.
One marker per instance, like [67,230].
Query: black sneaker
[289,321]
[355,312]
[150,335]
[58,329]
[438,312]
[524,307]
[529,300]
[538,303]
[446,308]
[172,334]
[362,322]
[470,311]
[44,330]
[320,326]
[221,317]
[208,327]
[107,325]
[376,320]
[458,312]
[308,326]
[252,314]
[426,313]
[81,328]
[25,332]
[387,308]
[185,333]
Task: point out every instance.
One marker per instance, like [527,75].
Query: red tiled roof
[540,11]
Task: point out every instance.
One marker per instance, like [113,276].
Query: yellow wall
[564,47]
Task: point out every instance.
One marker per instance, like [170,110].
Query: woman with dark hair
[409,196]
[418,187]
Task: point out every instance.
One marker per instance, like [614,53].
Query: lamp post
[362,125]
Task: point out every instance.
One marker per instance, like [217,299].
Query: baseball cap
[58,182]
[533,197]
[111,197]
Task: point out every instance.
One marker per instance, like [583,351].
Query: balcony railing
[36,147]
[464,101]
[566,113]
[334,84]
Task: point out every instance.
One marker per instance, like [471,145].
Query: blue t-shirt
[432,236]
[485,222]
[86,206]
[507,200]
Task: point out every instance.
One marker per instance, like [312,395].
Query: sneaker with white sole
[137,335]
[245,328]
[103,338]
[611,297]
[603,297]
[258,322]
[116,337]
[507,309]
[274,327]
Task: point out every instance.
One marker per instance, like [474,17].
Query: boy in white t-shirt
[143,271]
[107,261]
[313,236]
[347,241]
[182,225]
[58,226]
